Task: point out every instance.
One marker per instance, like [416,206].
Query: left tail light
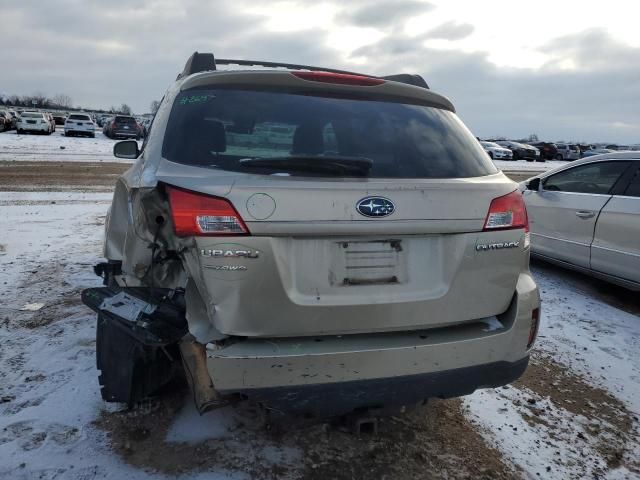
[197,215]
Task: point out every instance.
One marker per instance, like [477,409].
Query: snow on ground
[49,394]
[56,147]
[573,415]
[599,345]
[523,166]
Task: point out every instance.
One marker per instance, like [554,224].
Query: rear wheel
[559,157]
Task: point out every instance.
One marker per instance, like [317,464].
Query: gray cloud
[450,31]
[107,53]
[589,103]
[381,13]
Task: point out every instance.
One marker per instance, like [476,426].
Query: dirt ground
[59,176]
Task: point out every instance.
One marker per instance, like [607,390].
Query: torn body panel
[151,255]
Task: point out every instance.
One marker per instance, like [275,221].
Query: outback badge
[375,207]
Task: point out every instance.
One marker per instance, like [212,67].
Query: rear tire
[559,157]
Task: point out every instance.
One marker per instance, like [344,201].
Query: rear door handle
[585,214]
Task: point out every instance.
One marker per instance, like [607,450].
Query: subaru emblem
[375,207]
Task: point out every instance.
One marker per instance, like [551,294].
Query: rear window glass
[79,117]
[223,128]
[31,115]
[125,120]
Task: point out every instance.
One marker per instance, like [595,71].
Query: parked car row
[75,124]
[509,150]
[541,151]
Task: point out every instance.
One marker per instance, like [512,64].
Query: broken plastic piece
[127,306]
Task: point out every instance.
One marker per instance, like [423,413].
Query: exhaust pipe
[194,360]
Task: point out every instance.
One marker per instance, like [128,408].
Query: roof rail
[291,66]
[198,62]
[202,62]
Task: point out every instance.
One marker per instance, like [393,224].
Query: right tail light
[507,213]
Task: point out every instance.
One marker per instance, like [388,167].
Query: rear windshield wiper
[334,164]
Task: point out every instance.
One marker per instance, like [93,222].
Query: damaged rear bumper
[332,399]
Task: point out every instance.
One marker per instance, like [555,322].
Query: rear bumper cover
[341,398]
[125,133]
[332,375]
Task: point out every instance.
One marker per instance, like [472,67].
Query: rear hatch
[125,125]
[79,121]
[329,214]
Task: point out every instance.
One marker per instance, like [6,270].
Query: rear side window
[595,178]
[126,120]
[633,190]
[223,128]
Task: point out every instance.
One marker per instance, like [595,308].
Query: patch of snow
[524,166]
[591,338]
[189,426]
[32,307]
[49,392]
[57,148]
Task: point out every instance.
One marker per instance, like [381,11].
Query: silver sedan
[586,216]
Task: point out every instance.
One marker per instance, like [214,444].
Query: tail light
[197,214]
[507,212]
[339,78]
[535,324]
[113,124]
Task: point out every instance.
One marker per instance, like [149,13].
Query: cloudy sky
[564,69]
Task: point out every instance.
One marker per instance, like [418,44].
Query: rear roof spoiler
[409,78]
[204,62]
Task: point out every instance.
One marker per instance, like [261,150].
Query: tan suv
[316,241]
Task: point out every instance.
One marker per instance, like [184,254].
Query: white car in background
[586,216]
[496,152]
[79,124]
[36,122]
[567,151]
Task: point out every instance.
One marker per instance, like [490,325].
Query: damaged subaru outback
[315,241]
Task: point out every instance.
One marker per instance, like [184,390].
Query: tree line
[57,102]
